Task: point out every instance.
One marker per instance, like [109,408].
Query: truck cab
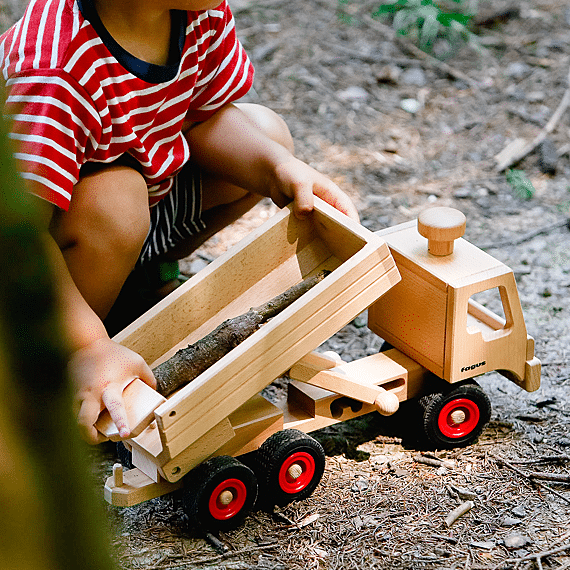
[434,315]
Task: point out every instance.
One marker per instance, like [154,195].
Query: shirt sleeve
[55,127]
[227,73]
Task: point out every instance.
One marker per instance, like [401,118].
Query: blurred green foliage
[424,21]
[520,183]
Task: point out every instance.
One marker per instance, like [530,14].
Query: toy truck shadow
[227,447]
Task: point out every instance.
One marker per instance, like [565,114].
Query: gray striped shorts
[177,216]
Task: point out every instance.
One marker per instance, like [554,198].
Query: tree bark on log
[188,363]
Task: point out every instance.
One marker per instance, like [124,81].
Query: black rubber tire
[277,454]
[469,399]
[206,482]
[124,456]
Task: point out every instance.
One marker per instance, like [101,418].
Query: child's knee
[270,123]
[109,214]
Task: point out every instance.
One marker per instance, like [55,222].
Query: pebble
[536,96]
[485,545]
[517,70]
[547,156]
[414,76]
[462,193]
[510,521]
[353,93]
[519,511]
[516,540]
[410,105]
[359,486]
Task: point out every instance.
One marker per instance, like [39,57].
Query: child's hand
[101,371]
[296,180]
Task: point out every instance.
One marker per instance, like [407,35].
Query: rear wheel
[290,466]
[219,494]
[457,417]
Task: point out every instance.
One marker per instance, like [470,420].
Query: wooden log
[188,363]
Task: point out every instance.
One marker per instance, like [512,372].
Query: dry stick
[188,363]
[549,127]
[523,474]
[225,555]
[557,477]
[526,237]
[544,459]
[458,512]
[534,556]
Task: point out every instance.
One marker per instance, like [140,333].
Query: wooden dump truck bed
[193,423]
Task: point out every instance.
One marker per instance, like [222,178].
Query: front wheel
[219,494]
[290,466]
[455,418]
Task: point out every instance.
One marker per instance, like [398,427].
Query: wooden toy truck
[418,282]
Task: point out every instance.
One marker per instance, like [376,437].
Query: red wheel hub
[297,472]
[458,418]
[227,499]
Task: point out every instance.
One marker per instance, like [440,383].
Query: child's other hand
[101,371]
[298,181]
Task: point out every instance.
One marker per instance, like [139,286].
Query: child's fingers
[113,399]
[334,196]
[146,375]
[303,200]
[87,416]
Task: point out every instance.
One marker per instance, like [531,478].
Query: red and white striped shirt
[75,96]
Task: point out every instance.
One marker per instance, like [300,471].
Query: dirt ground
[342,84]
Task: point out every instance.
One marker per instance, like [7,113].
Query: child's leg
[102,233]
[222,202]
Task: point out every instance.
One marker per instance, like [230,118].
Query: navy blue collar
[149,72]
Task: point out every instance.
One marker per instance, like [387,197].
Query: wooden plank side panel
[310,259]
[195,451]
[267,354]
[281,343]
[345,275]
[208,292]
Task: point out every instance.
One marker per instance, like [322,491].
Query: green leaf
[391,8]
[447,19]
[520,183]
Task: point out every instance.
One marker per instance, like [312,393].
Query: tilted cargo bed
[193,423]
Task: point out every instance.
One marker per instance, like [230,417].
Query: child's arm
[99,368]
[230,145]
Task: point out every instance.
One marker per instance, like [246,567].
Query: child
[118,106]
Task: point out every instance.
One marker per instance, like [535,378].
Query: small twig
[458,512]
[557,477]
[538,555]
[545,459]
[214,541]
[548,128]
[229,554]
[428,461]
[526,237]
[371,58]
[528,478]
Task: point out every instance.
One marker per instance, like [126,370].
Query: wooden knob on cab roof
[441,226]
